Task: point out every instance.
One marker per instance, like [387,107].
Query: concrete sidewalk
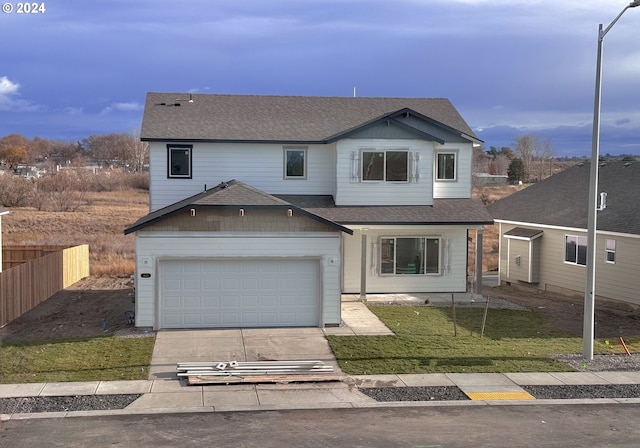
[169,396]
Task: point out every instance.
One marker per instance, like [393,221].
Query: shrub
[16,191]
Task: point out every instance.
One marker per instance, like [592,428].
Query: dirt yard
[92,307]
[612,319]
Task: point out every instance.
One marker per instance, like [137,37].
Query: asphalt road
[592,425]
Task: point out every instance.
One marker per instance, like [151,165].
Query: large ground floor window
[409,255]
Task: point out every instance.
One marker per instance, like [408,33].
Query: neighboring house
[543,232]
[264,209]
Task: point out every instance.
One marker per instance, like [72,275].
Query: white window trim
[179,147]
[384,169]
[564,256]
[608,251]
[286,149]
[395,237]
[456,154]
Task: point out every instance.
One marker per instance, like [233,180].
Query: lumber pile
[234,372]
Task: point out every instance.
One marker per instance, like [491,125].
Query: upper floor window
[179,161]
[446,165]
[610,251]
[409,255]
[295,162]
[385,166]
[575,249]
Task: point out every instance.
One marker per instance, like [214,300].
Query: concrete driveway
[222,345]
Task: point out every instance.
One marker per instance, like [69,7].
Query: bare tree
[526,148]
[117,150]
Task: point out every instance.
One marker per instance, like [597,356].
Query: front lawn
[96,359]
[424,342]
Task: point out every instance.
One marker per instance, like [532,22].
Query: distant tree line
[106,151]
[530,160]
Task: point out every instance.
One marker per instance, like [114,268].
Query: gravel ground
[603,363]
[539,392]
[27,405]
[586,391]
[443,393]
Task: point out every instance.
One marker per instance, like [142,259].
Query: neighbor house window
[179,161]
[295,163]
[385,166]
[575,249]
[446,166]
[409,255]
[610,251]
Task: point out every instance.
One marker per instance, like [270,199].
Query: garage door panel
[249,293]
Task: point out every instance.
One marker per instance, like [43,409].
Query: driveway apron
[223,345]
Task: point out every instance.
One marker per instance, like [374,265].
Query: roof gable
[227,194]
[287,119]
[562,199]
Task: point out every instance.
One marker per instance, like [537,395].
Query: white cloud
[9,89]
[122,107]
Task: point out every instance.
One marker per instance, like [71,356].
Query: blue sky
[510,67]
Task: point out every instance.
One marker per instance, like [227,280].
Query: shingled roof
[296,119]
[442,212]
[322,208]
[562,199]
[226,194]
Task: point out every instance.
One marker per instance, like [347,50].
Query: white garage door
[239,293]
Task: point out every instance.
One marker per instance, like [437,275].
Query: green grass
[424,342]
[97,359]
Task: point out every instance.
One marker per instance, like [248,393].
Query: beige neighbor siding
[518,259]
[619,281]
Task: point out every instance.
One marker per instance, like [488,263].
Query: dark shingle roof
[521,232]
[443,211]
[323,209]
[562,199]
[184,116]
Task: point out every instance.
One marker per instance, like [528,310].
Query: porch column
[363,266]
[479,233]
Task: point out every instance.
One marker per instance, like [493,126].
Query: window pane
[570,249]
[372,165]
[179,162]
[387,256]
[433,256]
[611,257]
[611,245]
[397,166]
[409,255]
[446,166]
[295,163]
[582,250]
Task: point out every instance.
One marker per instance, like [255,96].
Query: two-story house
[265,209]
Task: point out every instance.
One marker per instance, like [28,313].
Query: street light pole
[590,293]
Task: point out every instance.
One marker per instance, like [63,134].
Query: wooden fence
[44,271]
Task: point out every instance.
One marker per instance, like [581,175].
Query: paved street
[580,425]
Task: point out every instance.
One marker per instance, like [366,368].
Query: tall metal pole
[589,293]
[590,288]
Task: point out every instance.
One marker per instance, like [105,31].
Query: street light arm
[606,30]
